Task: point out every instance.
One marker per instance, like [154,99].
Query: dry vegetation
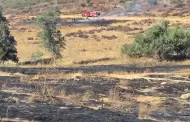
[135,94]
[93,44]
[96,92]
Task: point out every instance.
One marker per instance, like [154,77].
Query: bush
[83,5]
[161,42]
[36,55]
[88,95]
[128,4]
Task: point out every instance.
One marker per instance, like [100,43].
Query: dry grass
[93,49]
[145,110]
[88,95]
[114,94]
[56,76]
[45,93]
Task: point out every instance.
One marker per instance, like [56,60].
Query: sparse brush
[46,91]
[88,95]
[114,94]
[32,99]
[144,110]
[126,107]
[36,55]
[76,98]
[63,92]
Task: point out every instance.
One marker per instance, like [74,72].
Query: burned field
[93,82]
[55,95]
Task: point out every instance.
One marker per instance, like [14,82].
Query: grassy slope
[87,49]
[79,49]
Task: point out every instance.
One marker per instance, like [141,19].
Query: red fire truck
[90,14]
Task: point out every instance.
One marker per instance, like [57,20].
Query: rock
[185,96]
[163,83]
[63,107]
[12,99]
[186,90]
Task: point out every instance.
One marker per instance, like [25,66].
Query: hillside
[68,6]
[165,7]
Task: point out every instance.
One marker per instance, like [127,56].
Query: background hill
[175,7]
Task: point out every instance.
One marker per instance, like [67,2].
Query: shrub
[114,94]
[36,55]
[128,4]
[161,42]
[83,5]
[88,95]
[45,94]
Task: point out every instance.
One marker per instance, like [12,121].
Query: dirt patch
[109,37]
[122,28]
[144,22]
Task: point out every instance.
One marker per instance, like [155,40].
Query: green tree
[8,49]
[161,41]
[51,37]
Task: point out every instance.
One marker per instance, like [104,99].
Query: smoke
[132,6]
[139,5]
[135,7]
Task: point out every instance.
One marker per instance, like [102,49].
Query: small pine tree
[8,49]
[52,38]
